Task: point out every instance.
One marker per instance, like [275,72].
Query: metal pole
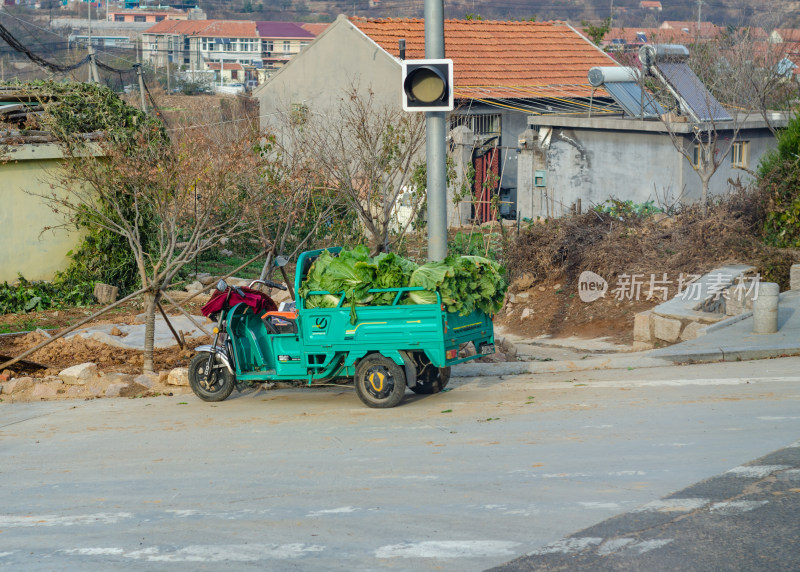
[141,85]
[436,147]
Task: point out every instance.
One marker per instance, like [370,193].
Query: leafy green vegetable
[465,283]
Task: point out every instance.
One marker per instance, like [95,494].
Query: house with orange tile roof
[504,71]
[259,47]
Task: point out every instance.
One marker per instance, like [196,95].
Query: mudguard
[221,353]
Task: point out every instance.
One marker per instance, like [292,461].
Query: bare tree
[702,130]
[367,153]
[188,187]
[289,209]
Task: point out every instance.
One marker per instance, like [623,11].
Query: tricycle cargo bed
[415,328]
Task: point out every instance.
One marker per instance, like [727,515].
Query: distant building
[196,44]
[649,5]
[153,16]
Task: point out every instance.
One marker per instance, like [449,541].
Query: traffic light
[427,85]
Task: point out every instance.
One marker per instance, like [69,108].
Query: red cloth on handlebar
[257,300]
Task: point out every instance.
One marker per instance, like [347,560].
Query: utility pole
[611,16]
[436,146]
[141,85]
[699,12]
[93,75]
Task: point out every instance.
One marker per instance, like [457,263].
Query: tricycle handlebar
[269,283]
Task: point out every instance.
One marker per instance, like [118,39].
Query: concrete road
[312,480]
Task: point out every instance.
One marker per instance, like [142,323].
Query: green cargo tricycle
[386,349]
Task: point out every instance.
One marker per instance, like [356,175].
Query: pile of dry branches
[688,242]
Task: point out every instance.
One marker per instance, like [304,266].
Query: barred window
[484,124]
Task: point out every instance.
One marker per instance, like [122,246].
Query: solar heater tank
[609,74]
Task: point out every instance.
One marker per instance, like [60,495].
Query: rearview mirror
[222,286]
[281,261]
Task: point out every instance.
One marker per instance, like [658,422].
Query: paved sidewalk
[734,340]
[729,340]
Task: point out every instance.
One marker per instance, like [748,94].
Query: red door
[487,178]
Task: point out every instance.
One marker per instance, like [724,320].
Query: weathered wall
[24,249]
[337,59]
[597,159]
[596,165]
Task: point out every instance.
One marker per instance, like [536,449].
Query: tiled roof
[228,66]
[789,35]
[649,4]
[706,29]
[653,35]
[315,28]
[206,28]
[288,30]
[494,59]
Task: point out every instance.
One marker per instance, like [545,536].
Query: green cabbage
[465,283]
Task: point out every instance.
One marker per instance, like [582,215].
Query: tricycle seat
[280,322]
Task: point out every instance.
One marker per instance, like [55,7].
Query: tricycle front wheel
[213,383]
[379,381]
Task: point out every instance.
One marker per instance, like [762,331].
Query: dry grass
[689,243]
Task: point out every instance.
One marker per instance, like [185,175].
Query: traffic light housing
[427,85]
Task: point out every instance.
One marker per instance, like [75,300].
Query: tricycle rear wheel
[430,379]
[379,381]
[214,385]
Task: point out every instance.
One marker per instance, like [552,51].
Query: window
[208,44]
[740,155]
[154,47]
[160,18]
[140,18]
[287,47]
[267,46]
[119,17]
[234,74]
[488,124]
[701,154]
[303,45]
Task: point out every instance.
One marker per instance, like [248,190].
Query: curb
[626,361]
[726,354]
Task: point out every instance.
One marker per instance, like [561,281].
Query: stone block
[178,376]
[643,327]
[148,380]
[45,391]
[666,329]
[78,374]
[115,389]
[105,293]
[526,313]
[18,385]
[794,277]
[692,330]
[642,346]
[523,282]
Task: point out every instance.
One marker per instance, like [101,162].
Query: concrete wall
[595,165]
[594,159]
[25,249]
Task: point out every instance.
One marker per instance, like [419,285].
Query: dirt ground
[64,353]
[556,311]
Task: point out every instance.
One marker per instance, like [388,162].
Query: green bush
[779,185]
[28,296]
